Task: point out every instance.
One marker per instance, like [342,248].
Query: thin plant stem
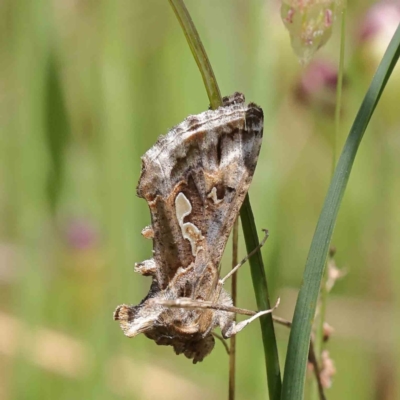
[312,358]
[246,214]
[339,87]
[324,293]
[232,352]
[198,51]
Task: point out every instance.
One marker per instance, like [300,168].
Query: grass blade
[262,297]
[296,359]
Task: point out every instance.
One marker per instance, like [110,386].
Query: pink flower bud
[309,23]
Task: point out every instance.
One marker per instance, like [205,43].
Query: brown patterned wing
[195,179]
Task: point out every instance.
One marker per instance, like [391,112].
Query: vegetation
[86,88]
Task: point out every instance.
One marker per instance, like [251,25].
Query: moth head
[134,319]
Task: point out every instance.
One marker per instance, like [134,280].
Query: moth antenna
[185,302]
[222,281]
[234,270]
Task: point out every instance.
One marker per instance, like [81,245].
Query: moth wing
[194,180]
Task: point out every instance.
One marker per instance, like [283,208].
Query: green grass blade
[261,291]
[296,359]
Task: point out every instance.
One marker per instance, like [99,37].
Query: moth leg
[223,341]
[230,328]
[148,232]
[146,268]
[234,270]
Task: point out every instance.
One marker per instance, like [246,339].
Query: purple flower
[81,234]
[317,85]
[380,21]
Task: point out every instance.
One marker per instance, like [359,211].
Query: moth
[194,180]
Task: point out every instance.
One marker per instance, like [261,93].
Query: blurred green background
[86,87]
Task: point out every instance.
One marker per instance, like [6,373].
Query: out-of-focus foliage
[86,87]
